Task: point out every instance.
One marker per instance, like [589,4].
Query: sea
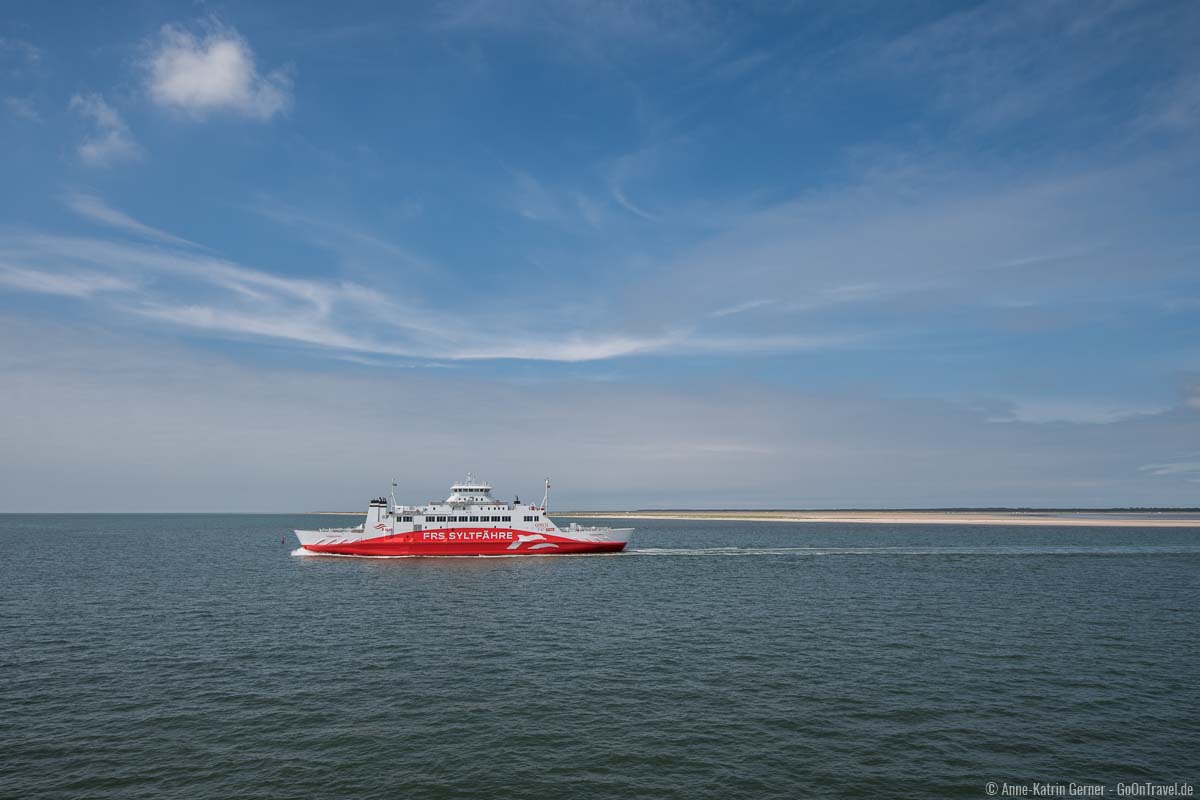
[195,656]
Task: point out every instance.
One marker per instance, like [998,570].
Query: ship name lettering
[469,536]
[466,536]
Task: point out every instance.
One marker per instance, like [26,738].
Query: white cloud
[532,200]
[623,171]
[1064,409]
[468,342]
[571,348]
[96,209]
[214,72]
[740,308]
[23,108]
[19,53]
[1172,469]
[110,140]
[76,284]
[765,343]
[306,330]
[574,209]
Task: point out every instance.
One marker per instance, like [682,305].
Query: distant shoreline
[1116,518]
[1160,519]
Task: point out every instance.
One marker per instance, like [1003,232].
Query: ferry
[470,522]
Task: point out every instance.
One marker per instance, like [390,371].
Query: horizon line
[830,509]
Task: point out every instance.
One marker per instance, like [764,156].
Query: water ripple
[191,657]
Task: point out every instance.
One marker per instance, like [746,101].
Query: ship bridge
[471,491]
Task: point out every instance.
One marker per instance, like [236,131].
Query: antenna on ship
[546,498]
[393,494]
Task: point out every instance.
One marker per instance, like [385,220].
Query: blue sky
[264,258]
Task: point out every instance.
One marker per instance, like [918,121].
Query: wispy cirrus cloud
[996,64]
[935,233]
[331,233]
[211,71]
[69,284]
[1188,469]
[110,140]
[313,329]
[740,308]
[576,207]
[1048,409]
[814,262]
[588,29]
[96,209]
[168,281]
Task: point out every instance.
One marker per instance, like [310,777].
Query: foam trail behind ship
[1004,550]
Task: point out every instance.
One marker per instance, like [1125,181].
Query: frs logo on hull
[534,537]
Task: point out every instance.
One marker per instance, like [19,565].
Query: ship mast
[546,498]
[393,495]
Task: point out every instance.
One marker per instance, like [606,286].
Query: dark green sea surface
[192,656]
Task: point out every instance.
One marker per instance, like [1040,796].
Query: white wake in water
[998,550]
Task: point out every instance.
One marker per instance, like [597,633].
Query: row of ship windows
[466,519]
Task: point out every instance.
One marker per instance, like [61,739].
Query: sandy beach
[1092,519]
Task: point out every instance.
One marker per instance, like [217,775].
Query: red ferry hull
[464,542]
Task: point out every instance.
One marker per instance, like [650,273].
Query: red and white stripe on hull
[465,542]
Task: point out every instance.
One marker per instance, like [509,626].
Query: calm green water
[194,657]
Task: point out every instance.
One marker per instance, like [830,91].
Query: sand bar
[1094,519]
